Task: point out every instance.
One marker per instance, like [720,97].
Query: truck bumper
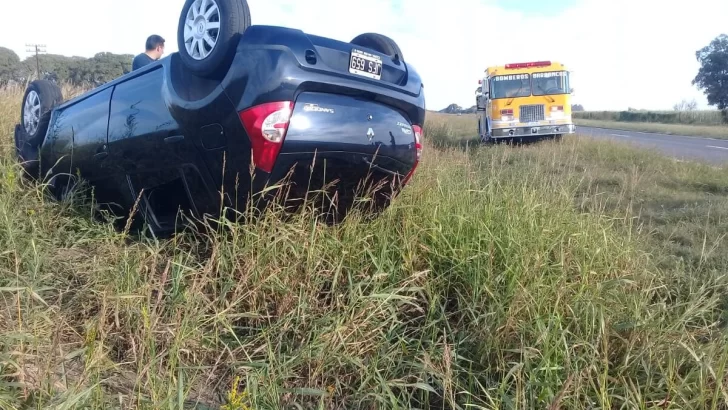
[520,132]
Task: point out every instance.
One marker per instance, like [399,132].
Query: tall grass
[501,278]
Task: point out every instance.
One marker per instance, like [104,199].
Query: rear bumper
[519,132]
[347,170]
[278,64]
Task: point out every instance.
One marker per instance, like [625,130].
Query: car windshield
[509,86]
[555,82]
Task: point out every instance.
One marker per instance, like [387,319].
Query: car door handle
[101,155]
[174,139]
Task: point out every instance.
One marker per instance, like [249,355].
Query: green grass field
[691,123]
[464,127]
[697,117]
[710,131]
[569,275]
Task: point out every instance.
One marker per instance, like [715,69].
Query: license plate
[365,64]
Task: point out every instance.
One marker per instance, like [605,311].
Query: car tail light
[418,140]
[266,125]
[418,148]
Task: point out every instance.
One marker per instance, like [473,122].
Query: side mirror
[481,101]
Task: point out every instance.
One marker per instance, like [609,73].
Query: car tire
[39,99]
[222,27]
[380,43]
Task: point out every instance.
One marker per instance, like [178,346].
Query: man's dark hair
[153,41]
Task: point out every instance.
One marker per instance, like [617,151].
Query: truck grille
[530,113]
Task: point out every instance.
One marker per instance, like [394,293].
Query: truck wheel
[379,42]
[208,34]
[39,99]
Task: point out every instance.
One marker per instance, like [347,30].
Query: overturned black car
[236,100]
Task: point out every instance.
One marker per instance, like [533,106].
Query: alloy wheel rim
[31,113]
[202,28]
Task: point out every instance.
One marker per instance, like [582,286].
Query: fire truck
[521,100]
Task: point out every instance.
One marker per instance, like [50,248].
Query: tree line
[99,69]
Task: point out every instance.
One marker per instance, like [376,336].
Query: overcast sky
[624,53]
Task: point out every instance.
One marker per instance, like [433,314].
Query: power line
[37,49]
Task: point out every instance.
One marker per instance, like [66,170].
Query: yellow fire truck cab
[524,100]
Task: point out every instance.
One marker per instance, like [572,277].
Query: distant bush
[663,117]
[99,69]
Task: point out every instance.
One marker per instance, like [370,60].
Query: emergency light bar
[527,65]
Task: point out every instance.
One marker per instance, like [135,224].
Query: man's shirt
[140,61]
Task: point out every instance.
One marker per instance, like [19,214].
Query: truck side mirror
[481,101]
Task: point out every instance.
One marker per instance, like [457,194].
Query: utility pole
[37,49]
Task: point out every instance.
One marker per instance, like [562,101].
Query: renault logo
[370,134]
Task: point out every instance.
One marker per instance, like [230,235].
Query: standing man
[155,50]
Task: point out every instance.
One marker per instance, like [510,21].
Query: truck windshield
[510,86]
[555,82]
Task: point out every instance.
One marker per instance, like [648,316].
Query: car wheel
[380,43]
[208,33]
[39,99]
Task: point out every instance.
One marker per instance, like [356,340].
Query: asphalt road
[711,150]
